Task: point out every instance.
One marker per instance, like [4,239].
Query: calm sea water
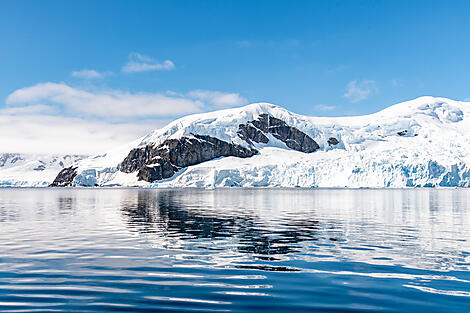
[103,250]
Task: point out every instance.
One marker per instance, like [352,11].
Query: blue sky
[116,69]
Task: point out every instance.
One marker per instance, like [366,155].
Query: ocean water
[131,250]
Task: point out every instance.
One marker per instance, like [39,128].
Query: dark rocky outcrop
[40,167]
[156,162]
[332,141]
[249,133]
[402,133]
[255,131]
[65,177]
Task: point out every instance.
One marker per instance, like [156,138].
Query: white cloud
[141,63]
[217,98]
[31,130]
[117,103]
[360,90]
[109,103]
[89,74]
[30,109]
[58,118]
[322,107]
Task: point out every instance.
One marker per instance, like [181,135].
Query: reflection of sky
[180,237]
[423,228]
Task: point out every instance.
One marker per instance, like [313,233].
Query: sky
[86,76]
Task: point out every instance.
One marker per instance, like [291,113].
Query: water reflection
[166,214]
[102,250]
[416,228]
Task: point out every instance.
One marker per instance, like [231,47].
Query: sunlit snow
[423,142]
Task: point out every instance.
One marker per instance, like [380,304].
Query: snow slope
[423,142]
[29,170]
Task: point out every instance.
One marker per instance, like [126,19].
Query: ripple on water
[103,250]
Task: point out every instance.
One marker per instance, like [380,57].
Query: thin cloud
[360,90]
[109,103]
[141,63]
[30,109]
[89,74]
[396,83]
[322,107]
[217,98]
[76,120]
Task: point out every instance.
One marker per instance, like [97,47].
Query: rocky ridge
[154,162]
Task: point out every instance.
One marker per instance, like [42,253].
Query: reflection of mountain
[417,228]
[257,240]
[168,215]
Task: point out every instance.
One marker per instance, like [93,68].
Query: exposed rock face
[249,133]
[156,162]
[293,138]
[332,141]
[163,161]
[65,177]
[40,167]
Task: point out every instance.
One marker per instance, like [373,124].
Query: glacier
[32,170]
[424,142]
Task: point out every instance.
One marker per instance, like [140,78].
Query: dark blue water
[102,250]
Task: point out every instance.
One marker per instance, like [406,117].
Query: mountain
[32,170]
[420,143]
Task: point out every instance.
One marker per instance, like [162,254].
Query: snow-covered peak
[222,124]
[425,141]
[422,115]
[443,109]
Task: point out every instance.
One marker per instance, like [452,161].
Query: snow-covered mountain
[423,142]
[32,170]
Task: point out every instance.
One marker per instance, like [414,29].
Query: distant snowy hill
[423,142]
[30,170]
